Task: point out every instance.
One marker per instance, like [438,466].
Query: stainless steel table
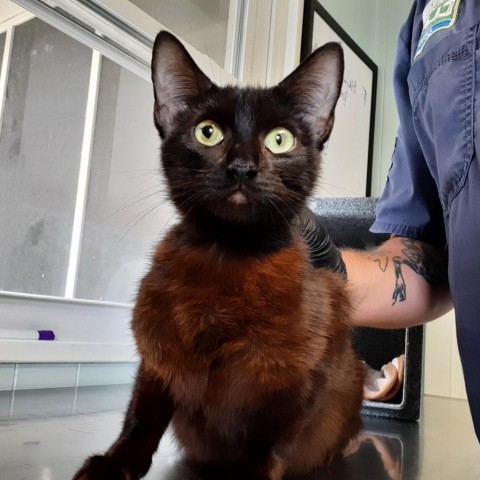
[46,434]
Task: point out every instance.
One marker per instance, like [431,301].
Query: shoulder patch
[437,15]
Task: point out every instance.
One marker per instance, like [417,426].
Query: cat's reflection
[376,457]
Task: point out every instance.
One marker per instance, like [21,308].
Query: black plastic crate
[348,221]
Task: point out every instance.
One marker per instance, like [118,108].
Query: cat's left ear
[176,80]
[316,85]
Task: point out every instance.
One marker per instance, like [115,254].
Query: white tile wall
[41,375]
[32,376]
[7,372]
[92,374]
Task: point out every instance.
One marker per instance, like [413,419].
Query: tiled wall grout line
[77,378]
[12,395]
[15,377]
[77,375]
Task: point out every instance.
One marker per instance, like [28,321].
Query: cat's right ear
[176,80]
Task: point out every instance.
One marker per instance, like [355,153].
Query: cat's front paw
[100,467]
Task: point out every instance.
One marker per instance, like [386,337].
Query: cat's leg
[272,468]
[333,420]
[305,428]
[270,458]
[275,434]
[147,418]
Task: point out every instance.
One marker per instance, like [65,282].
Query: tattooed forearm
[423,259]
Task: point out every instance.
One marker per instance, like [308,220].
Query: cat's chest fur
[203,316]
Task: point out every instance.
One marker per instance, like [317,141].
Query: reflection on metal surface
[384,450]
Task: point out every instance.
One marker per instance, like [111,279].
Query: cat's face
[242,155]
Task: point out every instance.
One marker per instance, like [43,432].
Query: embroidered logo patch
[437,15]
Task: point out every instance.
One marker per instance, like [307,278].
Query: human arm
[399,284]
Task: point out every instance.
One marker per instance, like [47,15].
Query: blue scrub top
[433,188]
[434,90]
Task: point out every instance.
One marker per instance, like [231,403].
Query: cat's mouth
[238,197]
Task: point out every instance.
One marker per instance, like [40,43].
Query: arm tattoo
[381,259]
[423,260]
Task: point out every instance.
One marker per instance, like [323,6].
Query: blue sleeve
[410,205]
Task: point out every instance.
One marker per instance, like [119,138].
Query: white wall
[443,370]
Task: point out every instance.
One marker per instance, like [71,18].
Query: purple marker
[8,334]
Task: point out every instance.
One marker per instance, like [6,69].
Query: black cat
[245,347]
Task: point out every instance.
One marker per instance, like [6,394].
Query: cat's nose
[242,172]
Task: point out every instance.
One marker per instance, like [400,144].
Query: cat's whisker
[180,181]
[167,224]
[347,192]
[134,170]
[192,201]
[148,178]
[272,203]
[144,171]
[291,195]
[184,183]
[131,204]
[144,176]
[187,202]
[138,218]
[283,188]
[132,197]
[280,212]
[321,185]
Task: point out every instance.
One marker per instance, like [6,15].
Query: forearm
[400,284]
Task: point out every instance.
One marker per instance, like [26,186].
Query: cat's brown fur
[245,347]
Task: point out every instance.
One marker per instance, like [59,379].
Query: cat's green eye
[208,133]
[279,140]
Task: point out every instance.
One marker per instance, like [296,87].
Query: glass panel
[126,209]
[201,23]
[40,145]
